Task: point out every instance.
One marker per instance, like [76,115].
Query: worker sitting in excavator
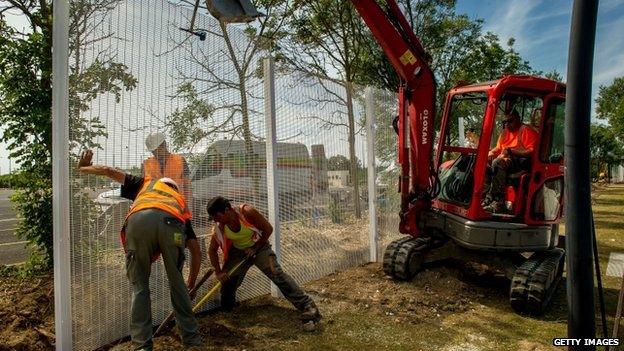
[242,233]
[158,223]
[512,154]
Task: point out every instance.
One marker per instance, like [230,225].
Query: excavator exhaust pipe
[233,11]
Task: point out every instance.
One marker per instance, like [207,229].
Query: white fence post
[372,174]
[271,159]
[60,176]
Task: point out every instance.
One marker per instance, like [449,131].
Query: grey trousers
[148,231]
[501,168]
[266,262]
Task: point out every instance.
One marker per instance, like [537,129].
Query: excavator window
[551,150]
[463,131]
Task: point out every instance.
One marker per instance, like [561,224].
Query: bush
[34,205]
[334,211]
[13,181]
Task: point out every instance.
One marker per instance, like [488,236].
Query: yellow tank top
[242,239]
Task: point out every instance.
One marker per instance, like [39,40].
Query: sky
[541,30]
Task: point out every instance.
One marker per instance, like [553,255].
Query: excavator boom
[417,94]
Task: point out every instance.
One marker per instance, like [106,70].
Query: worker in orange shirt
[166,164]
[512,153]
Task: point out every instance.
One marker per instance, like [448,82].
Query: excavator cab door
[233,11]
[545,191]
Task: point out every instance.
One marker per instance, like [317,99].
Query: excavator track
[535,281]
[403,257]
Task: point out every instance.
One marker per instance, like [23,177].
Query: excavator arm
[418,182]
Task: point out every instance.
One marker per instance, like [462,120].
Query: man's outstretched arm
[85,165]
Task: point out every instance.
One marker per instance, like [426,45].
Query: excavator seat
[233,11]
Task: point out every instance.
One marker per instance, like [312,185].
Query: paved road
[12,250]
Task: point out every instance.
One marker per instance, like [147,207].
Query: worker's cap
[154,140]
[172,183]
[216,205]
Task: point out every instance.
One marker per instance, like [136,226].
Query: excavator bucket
[233,11]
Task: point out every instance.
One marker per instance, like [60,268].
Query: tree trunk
[353,159]
[250,156]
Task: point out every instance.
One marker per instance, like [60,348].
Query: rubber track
[391,253]
[404,254]
[535,281]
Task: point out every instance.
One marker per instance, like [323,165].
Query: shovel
[217,286]
[195,288]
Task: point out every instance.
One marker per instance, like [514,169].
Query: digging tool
[191,292]
[217,287]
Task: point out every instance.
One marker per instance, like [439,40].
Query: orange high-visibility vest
[173,168]
[155,194]
[224,243]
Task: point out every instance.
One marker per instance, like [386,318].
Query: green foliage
[25,87]
[554,75]
[488,60]
[26,91]
[192,123]
[335,212]
[605,149]
[338,163]
[14,180]
[34,205]
[610,105]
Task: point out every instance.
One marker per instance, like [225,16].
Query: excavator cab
[472,123]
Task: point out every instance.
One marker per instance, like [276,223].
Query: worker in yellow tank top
[241,239]
[242,232]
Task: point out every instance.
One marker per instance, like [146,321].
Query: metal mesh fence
[387,168]
[321,228]
[134,73]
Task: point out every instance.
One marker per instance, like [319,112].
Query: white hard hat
[154,140]
[170,182]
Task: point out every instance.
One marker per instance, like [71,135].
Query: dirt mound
[431,294]
[27,313]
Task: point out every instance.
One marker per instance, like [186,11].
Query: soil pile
[27,313]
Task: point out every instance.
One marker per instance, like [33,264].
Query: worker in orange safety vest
[157,224]
[163,163]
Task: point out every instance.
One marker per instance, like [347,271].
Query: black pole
[580,282]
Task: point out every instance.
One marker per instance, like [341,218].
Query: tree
[610,105]
[327,44]
[235,69]
[489,60]
[446,36]
[26,91]
[554,75]
[605,150]
[338,163]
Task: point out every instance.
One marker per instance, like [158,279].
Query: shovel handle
[217,286]
[192,291]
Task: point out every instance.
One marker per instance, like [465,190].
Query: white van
[225,170]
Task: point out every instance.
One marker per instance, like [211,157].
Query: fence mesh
[134,73]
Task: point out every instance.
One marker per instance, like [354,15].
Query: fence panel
[133,74]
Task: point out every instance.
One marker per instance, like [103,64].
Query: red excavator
[442,210]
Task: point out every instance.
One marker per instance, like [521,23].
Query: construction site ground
[451,307]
